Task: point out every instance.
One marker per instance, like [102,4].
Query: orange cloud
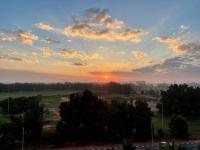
[27,37]
[132,35]
[18,57]
[44,26]
[97,24]
[68,53]
[21,36]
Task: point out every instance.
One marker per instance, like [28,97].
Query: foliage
[24,112]
[182,147]
[180,100]
[143,120]
[178,127]
[161,133]
[128,145]
[9,136]
[85,116]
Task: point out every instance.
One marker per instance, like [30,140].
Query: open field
[50,99]
[194,124]
[3,119]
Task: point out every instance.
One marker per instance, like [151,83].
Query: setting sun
[106,77]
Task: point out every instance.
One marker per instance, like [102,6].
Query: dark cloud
[51,41]
[79,64]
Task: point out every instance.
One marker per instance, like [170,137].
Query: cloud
[8,36]
[46,52]
[97,24]
[18,57]
[51,41]
[27,37]
[79,64]
[185,62]
[21,36]
[183,29]
[83,31]
[175,44]
[44,26]
[95,16]
[138,54]
[1,47]
[183,43]
[68,53]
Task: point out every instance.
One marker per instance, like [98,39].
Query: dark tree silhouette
[180,100]
[143,120]
[178,127]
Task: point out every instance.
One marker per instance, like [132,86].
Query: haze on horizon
[98,41]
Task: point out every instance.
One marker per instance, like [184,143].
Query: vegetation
[178,127]
[180,100]
[120,112]
[23,113]
[128,145]
[143,120]
[87,117]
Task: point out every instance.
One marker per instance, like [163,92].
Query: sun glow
[106,76]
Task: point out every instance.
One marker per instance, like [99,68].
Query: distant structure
[141,83]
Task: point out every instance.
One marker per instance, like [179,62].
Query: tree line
[180,100]
[112,87]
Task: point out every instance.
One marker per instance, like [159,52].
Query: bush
[128,145]
[178,127]
[182,147]
[161,134]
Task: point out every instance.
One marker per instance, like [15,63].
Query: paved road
[193,145]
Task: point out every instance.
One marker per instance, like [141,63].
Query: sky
[99,41]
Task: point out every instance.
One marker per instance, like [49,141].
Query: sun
[106,76]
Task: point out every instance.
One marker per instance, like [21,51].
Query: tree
[84,116]
[87,117]
[122,120]
[31,110]
[180,100]
[143,120]
[178,127]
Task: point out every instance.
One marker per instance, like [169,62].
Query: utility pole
[23,131]
[152,134]
[162,114]
[8,106]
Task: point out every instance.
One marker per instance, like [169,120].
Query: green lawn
[51,101]
[4,119]
[194,124]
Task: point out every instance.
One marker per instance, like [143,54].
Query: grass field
[194,124]
[50,100]
[4,119]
